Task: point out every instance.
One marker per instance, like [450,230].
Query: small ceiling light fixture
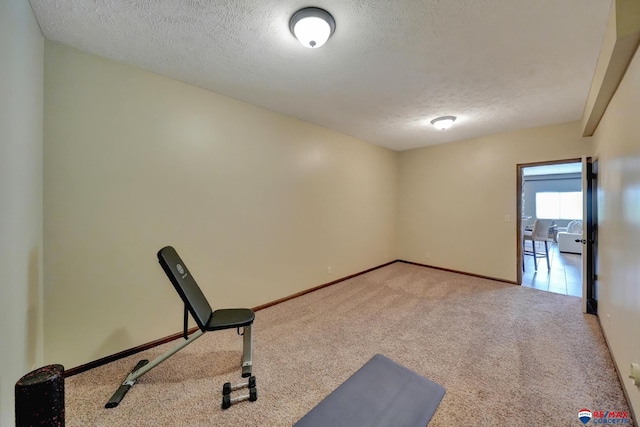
[444,122]
[312,26]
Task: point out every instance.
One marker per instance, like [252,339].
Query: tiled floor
[565,276]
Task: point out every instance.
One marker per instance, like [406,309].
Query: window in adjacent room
[559,205]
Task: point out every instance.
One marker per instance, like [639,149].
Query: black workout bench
[197,305]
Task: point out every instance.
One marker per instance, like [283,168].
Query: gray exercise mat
[381,393]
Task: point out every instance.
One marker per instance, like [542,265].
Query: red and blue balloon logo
[585,415]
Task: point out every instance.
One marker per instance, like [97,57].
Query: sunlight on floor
[564,277]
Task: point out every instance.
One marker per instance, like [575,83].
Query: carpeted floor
[506,355]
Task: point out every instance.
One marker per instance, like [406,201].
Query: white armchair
[567,239]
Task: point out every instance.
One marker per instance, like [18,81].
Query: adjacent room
[552,202]
[363,195]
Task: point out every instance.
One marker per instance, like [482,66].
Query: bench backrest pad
[185,285]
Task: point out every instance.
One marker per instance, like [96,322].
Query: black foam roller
[40,397]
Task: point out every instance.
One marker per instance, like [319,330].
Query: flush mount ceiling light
[443,122]
[312,26]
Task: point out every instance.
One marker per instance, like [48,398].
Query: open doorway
[550,202]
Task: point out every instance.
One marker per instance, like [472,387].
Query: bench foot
[124,388]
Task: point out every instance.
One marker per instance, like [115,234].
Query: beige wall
[454,197]
[617,147]
[21,50]
[258,204]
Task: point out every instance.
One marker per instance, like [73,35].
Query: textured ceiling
[390,67]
